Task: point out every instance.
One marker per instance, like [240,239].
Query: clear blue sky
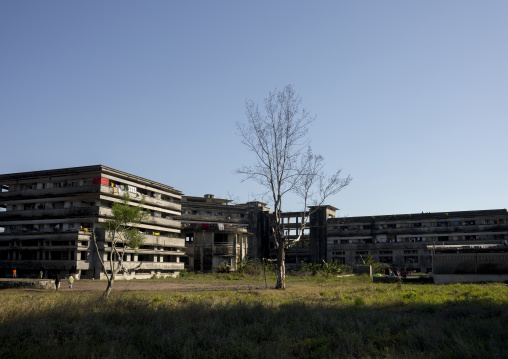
[411,97]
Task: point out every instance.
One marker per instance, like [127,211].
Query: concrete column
[135,257]
[202,258]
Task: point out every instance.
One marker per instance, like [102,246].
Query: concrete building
[48,215]
[219,234]
[402,240]
[312,246]
[46,224]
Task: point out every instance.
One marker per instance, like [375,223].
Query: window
[386,259]
[411,259]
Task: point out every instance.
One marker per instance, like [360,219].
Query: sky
[410,97]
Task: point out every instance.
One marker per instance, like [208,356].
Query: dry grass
[313,318]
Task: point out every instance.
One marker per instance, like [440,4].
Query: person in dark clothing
[57,282]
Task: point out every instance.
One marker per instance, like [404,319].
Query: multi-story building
[49,217]
[402,240]
[218,233]
[311,248]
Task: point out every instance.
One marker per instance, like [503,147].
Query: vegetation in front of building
[315,317]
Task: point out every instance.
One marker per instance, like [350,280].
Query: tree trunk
[281,266]
[109,288]
[111,280]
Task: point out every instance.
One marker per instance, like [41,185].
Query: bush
[185,273]
[253,267]
[223,268]
[324,268]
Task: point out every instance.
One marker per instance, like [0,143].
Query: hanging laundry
[206,226]
[221,226]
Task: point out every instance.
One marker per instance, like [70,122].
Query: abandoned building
[219,234]
[470,263]
[311,248]
[48,216]
[402,241]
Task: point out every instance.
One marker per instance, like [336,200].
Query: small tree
[285,163]
[121,229]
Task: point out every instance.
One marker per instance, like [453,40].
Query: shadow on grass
[200,326]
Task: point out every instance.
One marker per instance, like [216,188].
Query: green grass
[315,318]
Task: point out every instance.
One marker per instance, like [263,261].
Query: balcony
[199,217]
[158,221]
[135,197]
[50,213]
[46,264]
[419,230]
[224,249]
[402,245]
[49,192]
[163,241]
[198,227]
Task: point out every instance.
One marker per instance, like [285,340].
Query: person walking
[14,273]
[71,280]
[40,275]
[57,282]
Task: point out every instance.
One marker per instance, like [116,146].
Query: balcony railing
[138,197]
[50,213]
[50,192]
[224,249]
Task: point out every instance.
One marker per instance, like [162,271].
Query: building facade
[312,246]
[219,234]
[49,217]
[401,241]
[50,221]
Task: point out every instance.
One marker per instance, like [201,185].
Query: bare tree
[122,233]
[285,163]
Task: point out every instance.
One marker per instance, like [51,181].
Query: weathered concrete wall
[363,269]
[469,278]
[34,283]
[471,263]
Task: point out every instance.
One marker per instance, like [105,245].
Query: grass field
[316,317]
